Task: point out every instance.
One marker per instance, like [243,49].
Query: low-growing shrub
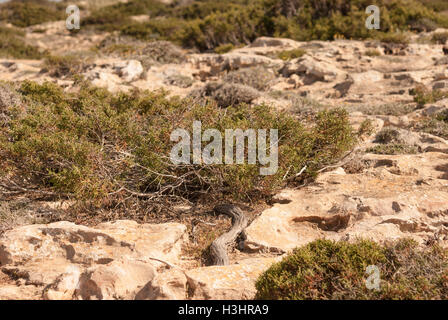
[325,269]
[440,37]
[227,94]
[287,55]
[387,135]
[114,16]
[258,77]
[390,109]
[224,48]
[180,81]
[147,53]
[101,147]
[423,25]
[372,53]
[393,149]
[30,12]
[394,38]
[207,25]
[61,66]
[436,125]
[442,116]
[366,128]
[13,45]
[162,52]
[8,98]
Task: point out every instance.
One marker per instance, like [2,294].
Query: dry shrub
[103,148]
[62,66]
[325,269]
[227,94]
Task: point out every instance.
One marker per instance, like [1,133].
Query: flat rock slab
[63,260]
[394,197]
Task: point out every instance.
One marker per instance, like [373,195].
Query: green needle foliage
[94,145]
[324,269]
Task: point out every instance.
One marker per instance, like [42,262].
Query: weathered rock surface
[66,261]
[392,197]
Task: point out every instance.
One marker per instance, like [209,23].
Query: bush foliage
[324,269]
[13,45]
[98,146]
[436,125]
[60,66]
[25,13]
[209,24]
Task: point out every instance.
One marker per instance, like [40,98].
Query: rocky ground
[368,194]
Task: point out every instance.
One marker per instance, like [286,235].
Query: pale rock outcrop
[393,197]
[274,42]
[311,70]
[131,71]
[114,260]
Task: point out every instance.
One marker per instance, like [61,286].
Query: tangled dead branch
[218,248]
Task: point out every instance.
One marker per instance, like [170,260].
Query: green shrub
[423,95]
[372,53]
[227,94]
[148,53]
[207,25]
[31,12]
[8,98]
[387,135]
[61,66]
[258,77]
[179,80]
[437,5]
[325,269]
[97,146]
[13,45]
[390,109]
[395,38]
[224,48]
[115,16]
[287,55]
[440,37]
[393,149]
[436,125]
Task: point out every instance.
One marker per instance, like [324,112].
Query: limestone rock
[170,285]
[394,196]
[69,261]
[131,71]
[235,281]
